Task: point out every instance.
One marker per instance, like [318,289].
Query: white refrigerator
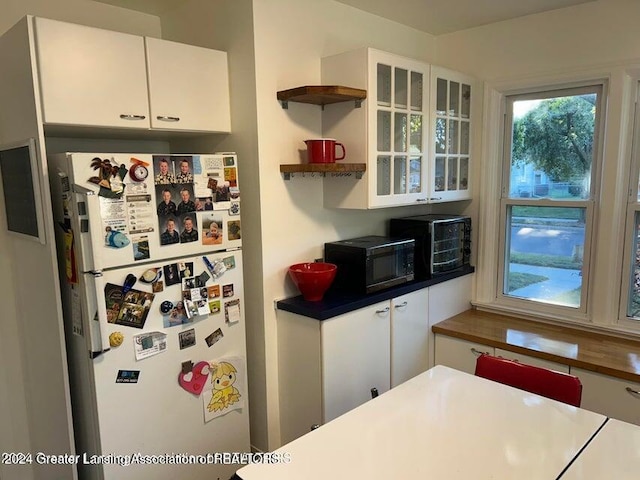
[149,248]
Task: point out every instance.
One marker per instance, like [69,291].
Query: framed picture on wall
[21,189]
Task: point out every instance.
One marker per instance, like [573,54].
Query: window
[547,204]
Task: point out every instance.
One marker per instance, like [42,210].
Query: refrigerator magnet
[128,376]
[187,338]
[214,337]
[195,379]
[233,230]
[149,344]
[227,290]
[214,307]
[232,311]
[234,209]
[213,291]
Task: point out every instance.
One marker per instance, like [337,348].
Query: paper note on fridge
[149,344]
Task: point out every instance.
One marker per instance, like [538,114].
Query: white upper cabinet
[188,87]
[90,76]
[99,78]
[389,133]
[450,143]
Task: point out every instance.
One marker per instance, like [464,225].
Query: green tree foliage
[557,137]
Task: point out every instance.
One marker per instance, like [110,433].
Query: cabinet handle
[632,391]
[385,310]
[435,198]
[400,305]
[315,426]
[164,118]
[478,352]
[132,117]
[421,199]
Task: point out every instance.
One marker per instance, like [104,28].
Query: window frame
[589,204]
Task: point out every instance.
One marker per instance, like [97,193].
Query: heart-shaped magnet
[195,380]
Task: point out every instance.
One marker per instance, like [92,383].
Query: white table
[614,453]
[445,425]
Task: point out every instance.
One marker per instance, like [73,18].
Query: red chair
[547,383]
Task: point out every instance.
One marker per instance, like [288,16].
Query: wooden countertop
[597,352]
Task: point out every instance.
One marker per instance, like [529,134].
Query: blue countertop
[338,303]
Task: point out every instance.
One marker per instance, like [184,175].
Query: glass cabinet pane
[441,97]
[384,175]
[384,85]
[452,140]
[464,138]
[415,175]
[400,132]
[416,91]
[400,174]
[384,131]
[452,174]
[441,135]
[454,99]
[464,173]
[400,90]
[415,137]
[465,107]
[439,174]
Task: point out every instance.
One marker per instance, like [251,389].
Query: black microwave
[443,242]
[372,263]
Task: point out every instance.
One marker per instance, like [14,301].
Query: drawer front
[609,396]
[459,354]
[537,362]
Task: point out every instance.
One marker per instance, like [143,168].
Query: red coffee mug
[323,150]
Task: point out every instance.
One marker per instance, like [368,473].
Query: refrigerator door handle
[102,310]
[92,221]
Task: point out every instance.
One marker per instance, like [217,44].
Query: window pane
[416,134]
[401,79]
[454,95]
[399,175]
[416,91]
[553,141]
[384,85]
[441,96]
[384,175]
[439,174]
[543,262]
[415,175]
[400,132]
[633,308]
[441,135]
[452,174]
[384,131]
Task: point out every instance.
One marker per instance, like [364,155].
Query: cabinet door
[90,76]
[459,354]
[609,396]
[446,300]
[538,362]
[355,358]
[188,87]
[451,95]
[409,336]
[397,137]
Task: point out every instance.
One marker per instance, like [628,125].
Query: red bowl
[313,279]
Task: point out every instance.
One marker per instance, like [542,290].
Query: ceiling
[432,16]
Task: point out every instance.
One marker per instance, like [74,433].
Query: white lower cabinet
[459,354]
[609,396]
[328,367]
[538,362]
[409,336]
[356,358]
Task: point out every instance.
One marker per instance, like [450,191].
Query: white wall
[20,428]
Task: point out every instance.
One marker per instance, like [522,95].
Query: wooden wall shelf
[321,95]
[334,169]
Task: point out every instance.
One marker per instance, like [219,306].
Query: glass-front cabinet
[397,145]
[389,132]
[413,131]
[450,144]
